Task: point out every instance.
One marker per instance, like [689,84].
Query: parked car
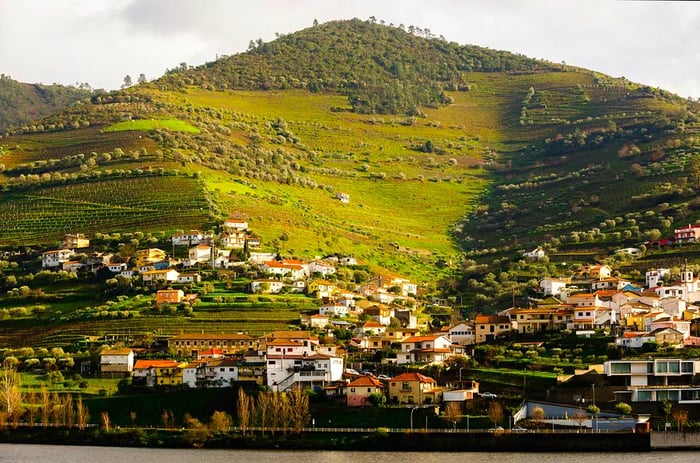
[497,428]
[519,429]
[488,395]
[383,377]
[351,371]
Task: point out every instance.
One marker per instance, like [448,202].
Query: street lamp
[413,410]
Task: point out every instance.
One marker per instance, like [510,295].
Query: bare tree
[244,410]
[106,422]
[681,417]
[10,394]
[263,408]
[82,413]
[453,413]
[45,406]
[299,407]
[495,412]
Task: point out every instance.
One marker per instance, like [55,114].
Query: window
[620,368]
[352,389]
[405,386]
[369,389]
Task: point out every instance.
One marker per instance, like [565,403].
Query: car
[496,429]
[383,377]
[519,429]
[351,371]
[488,395]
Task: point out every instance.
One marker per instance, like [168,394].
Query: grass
[151,124]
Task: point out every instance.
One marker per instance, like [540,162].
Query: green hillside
[22,103]
[443,148]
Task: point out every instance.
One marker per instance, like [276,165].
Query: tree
[10,393]
[105,421]
[692,169]
[538,415]
[453,413]
[681,417]
[132,417]
[220,421]
[299,407]
[623,408]
[127,81]
[82,413]
[495,412]
[142,78]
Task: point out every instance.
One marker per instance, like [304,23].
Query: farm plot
[147,204]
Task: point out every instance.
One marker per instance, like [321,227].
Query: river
[21,453]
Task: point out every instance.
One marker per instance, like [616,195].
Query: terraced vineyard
[148,203]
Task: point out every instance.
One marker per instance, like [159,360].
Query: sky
[656,43]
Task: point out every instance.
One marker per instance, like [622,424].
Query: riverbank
[366,441]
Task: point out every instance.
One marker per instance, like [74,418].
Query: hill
[22,103]
[441,148]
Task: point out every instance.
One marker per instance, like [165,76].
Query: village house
[595,272]
[634,339]
[160,275]
[532,320]
[291,361]
[169,296]
[407,317]
[72,266]
[609,283]
[285,270]
[315,321]
[462,333]
[116,363]
[216,372]
[688,234]
[190,345]
[466,390]
[321,289]
[343,197]
[235,224]
[185,278]
[359,391]
[56,258]
[553,286]
[152,373]
[380,314]
[372,328]
[200,254]
[414,389]
[148,256]
[534,255]
[117,267]
[234,239]
[75,241]
[334,309]
[190,238]
[490,327]
[266,286]
[654,277]
[321,268]
[424,349]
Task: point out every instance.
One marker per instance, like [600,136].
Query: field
[151,124]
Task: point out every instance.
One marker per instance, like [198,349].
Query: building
[148,256]
[414,388]
[292,361]
[116,363]
[190,345]
[654,380]
[490,327]
[360,390]
[169,296]
[160,275]
[56,258]
[235,224]
[424,349]
[152,373]
[76,241]
[688,234]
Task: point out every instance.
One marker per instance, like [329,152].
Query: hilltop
[440,148]
[22,103]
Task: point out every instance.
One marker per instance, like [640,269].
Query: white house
[116,363]
[185,278]
[424,349]
[335,310]
[462,333]
[200,253]
[654,276]
[233,223]
[117,268]
[160,275]
[322,268]
[266,286]
[553,286]
[189,238]
[293,271]
[292,361]
[56,258]
[534,255]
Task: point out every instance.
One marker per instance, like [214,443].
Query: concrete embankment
[675,441]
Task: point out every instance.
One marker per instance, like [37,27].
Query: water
[20,453]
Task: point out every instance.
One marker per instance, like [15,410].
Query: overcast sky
[101,41]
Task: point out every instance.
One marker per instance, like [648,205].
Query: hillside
[440,146]
[22,103]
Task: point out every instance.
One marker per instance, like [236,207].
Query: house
[169,296]
[634,339]
[334,309]
[424,349]
[72,266]
[668,337]
[466,390]
[359,391]
[654,380]
[532,320]
[462,333]
[414,388]
[407,317]
[373,327]
[291,361]
[490,327]
[235,224]
[266,286]
[148,256]
[253,241]
[321,268]
[190,238]
[609,283]
[343,197]
[200,253]
[348,261]
[654,276]
[534,255]
[553,286]
[117,267]
[583,300]
[321,289]
[191,344]
[116,363]
[286,270]
[213,372]
[160,275]
[596,272]
[234,239]
[380,314]
[688,234]
[56,258]
[185,278]
[315,321]
[151,373]
[75,241]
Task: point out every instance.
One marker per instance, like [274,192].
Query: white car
[488,395]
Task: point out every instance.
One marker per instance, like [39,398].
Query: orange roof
[421,338]
[116,352]
[413,377]
[144,364]
[365,381]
